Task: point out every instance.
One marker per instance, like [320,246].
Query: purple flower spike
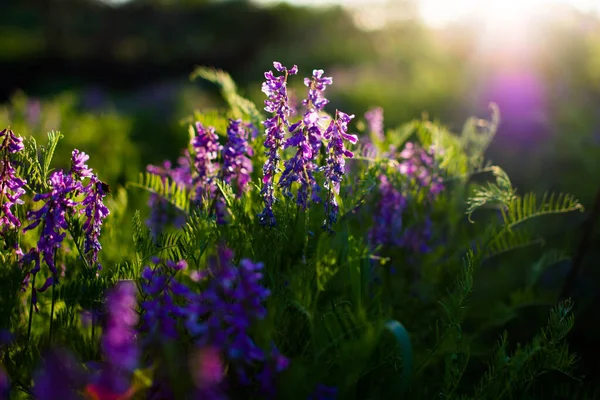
[387,226]
[118,340]
[307,138]
[11,186]
[95,212]
[277,103]
[336,133]
[237,167]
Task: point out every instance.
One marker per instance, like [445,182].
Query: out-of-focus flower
[237,167]
[374,119]
[277,103]
[387,225]
[61,377]
[113,377]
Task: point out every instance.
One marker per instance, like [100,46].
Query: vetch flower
[277,103]
[52,216]
[336,134]
[95,212]
[237,167]
[307,138]
[61,377]
[11,186]
[388,218]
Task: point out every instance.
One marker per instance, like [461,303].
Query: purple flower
[388,219]
[374,119]
[61,377]
[206,148]
[317,85]
[161,310]
[78,166]
[336,133]
[52,216]
[226,308]
[277,103]
[118,340]
[95,212]
[11,186]
[307,138]
[237,167]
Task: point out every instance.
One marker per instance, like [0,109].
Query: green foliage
[376,321]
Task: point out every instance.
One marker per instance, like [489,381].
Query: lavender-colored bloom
[267,378]
[61,377]
[95,212]
[420,165]
[206,148]
[336,133]
[317,85]
[11,186]
[237,167]
[78,165]
[277,103]
[225,310]
[374,119]
[118,340]
[387,225]
[323,392]
[161,309]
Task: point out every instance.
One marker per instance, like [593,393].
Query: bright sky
[441,12]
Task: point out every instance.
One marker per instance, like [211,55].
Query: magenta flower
[374,119]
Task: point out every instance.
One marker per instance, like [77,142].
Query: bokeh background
[113,76]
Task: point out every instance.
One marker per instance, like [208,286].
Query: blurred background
[112,75]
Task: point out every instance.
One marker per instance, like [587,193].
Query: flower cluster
[307,136]
[224,311]
[161,310]
[237,167]
[60,203]
[11,186]
[418,169]
[199,172]
[323,392]
[277,103]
